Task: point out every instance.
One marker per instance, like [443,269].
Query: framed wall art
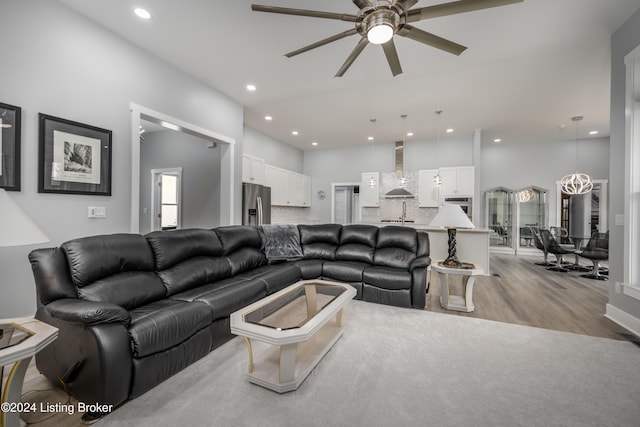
[73,158]
[10,126]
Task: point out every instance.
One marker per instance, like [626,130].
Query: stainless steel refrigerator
[256,204]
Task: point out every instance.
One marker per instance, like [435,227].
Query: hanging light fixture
[437,180]
[372,180]
[576,183]
[403,179]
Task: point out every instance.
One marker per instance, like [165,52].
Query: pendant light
[576,183]
[437,180]
[372,180]
[403,179]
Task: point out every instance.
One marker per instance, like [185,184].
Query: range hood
[399,192]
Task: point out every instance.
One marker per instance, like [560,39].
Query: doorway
[227,167]
[345,203]
[166,199]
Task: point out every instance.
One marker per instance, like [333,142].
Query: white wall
[62,64]
[273,152]
[623,41]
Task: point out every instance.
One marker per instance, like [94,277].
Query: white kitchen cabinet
[288,188]
[457,182]
[370,195]
[253,169]
[428,192]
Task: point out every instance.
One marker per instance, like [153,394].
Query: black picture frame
[10,134]
[73,158]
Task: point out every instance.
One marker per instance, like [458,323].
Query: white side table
[457,302]
[41,335]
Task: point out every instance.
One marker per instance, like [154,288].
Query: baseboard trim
[623,319]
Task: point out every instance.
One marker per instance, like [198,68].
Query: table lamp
[16,228]
[451,217]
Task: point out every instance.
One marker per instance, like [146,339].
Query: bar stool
[537,240]
[597,250]
[558,250]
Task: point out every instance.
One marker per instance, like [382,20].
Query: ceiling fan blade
[405,5]
[303,12]
[392,57]
[322,42]
[431,39]
[352,56]
[363,3]
[455,7]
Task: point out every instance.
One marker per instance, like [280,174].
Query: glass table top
[295,308]
[12,334]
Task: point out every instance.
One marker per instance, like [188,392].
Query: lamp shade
[16,228]
[451,216]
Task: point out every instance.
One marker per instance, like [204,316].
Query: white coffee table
[296,321]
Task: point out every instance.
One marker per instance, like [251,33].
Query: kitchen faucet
[404,212]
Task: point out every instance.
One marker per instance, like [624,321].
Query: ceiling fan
[378,21]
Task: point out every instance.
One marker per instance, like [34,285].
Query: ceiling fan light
[380,34]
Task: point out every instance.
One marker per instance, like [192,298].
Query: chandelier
[576,183]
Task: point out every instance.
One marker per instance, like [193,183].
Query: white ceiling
[528,68]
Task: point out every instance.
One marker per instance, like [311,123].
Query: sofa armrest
[420,262]
[87,312]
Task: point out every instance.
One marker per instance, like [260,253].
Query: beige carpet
[404,367]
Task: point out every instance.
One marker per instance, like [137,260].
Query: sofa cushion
[234,237]
[387,277]
[128,290]
[96,257]
[194,272]
[226,296]
[163,324]
[396,247]
[275,276]
[309,268]
[357,243]
[343,271]
[320,241]
[172,247]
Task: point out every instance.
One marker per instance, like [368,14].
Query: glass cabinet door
[499,216]
[533,211]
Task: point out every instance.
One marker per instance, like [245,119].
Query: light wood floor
[521,293]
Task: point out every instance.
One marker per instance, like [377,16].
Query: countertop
[427,227]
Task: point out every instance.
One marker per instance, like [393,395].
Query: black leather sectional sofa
[133,310]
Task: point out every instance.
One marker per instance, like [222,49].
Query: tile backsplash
[392,208]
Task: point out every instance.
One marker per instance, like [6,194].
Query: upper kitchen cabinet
[428,191]
[253,169]
[369,190]
[288,188]
[457,182]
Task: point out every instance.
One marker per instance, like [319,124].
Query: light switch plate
[619,219]
[97,212]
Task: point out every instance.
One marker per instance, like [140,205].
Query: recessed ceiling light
[593,132]
[142,13]
[295,132]
[370,138]
[497,140]
[409,133]
[251,88]
[268,118]
[449,130]
[314,143]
